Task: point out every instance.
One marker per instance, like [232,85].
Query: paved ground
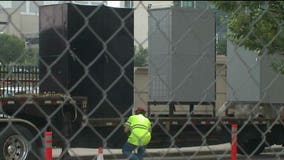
[79,152]
[215,152]
[215,157]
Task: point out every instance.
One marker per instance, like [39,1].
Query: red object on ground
[48,145]
[234,142]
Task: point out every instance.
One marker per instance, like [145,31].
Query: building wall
[19,24]
[141,86]
[141,19]
[221,82]
[23,17]
[24,21]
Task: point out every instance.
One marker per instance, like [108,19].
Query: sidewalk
[199,150]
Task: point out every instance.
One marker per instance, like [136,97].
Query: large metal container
[181,55]
[251,79]
[88,54]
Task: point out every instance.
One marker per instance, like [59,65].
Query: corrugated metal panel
[194,78]
[193,31]
[251,78]
[159,32]
[193,55]
[160,85]
[159,59]
[242,74]
[182,45]
[272,88]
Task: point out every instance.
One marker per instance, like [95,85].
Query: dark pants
[128,149]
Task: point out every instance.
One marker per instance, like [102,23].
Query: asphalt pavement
[214,152]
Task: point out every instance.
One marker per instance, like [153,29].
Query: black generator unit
[88,51]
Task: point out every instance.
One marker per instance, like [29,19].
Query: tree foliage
[11,48]
[30,57]
[13,51]
[221,47]
[140,57]
[256,25]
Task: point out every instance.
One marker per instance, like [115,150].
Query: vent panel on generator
[88,54]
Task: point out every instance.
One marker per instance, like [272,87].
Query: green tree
[30,56]
[256,25]
[13,51]
[221,47]
[11,48]
[140,57]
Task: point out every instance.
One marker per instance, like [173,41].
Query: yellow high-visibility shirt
[140,128]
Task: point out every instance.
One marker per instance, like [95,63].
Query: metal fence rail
[16,79]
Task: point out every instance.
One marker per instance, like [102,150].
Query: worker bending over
[139,128]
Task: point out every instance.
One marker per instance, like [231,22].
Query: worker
[138,126]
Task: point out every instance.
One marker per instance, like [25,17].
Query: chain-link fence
[80,68]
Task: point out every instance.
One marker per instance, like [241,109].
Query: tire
[16,143]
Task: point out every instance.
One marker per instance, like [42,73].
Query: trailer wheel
[15,143]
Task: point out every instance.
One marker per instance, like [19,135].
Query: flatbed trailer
[67,118]
[30,115]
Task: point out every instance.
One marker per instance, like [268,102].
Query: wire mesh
[80,68]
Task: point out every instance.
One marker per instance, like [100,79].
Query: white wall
[6,4]
[141,19]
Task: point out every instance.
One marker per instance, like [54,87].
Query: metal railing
[16,79]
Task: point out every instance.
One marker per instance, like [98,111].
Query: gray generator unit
[251,79]
[181,55]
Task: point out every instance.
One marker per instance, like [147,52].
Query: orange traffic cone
[100,154]
[48,145]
